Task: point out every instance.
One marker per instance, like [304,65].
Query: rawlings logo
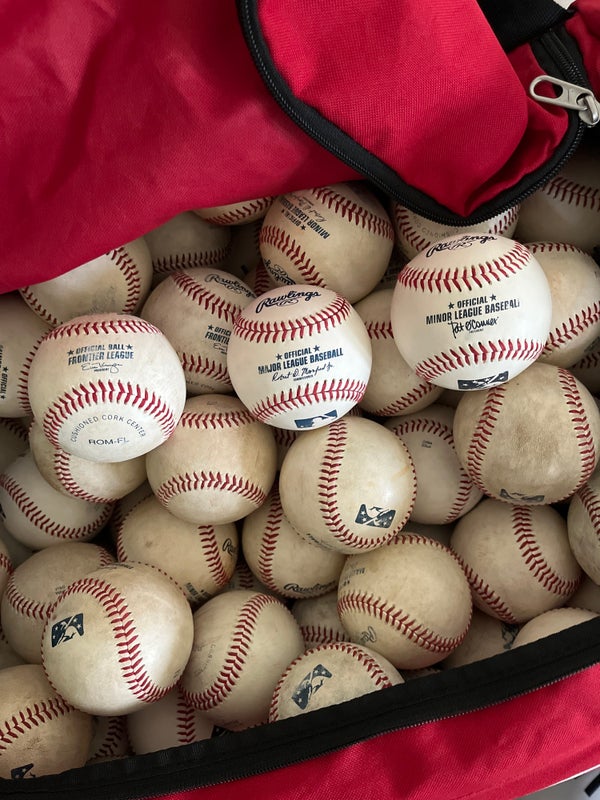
[455,244]
[230,283]
[288,299]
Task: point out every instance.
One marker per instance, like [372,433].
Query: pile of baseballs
[278,454]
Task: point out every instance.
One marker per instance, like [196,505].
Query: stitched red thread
[207,258]
[572,327]
[482,434]
[305,396]
[568,191]
[130,273]
[478,353]
[212,555]
[487,595]
[591,504]
[269,536]
[293,251]
[32,717]
[202,481]
[353,212]
[216,420]
[103,327]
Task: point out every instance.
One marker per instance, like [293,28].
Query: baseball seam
[216,420]
[306,396]
[523,350]
[408,400]
[163,265]
[379,330]
[354,212]
[209,480]
[35,305]
[204,298]
[241,212]
[591,504]
[568,191]
[185,721]
[32,717]
[315,635]
[130,273]
[293,251]
[579,323]
[105,327]
[15,427]
[269,535]
[581,428]
[113,742]
[212,555]
[62,469]
[482,434]
[486,595]
[195,365]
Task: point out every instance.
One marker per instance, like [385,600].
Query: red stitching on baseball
[407,401]
[62,469]
[212,555]
[16,427]
[497,606]
[568,191]
[320,321]
[590,361]
[114,741]
[591,504]
[293,251]
[185,721]
[80,398]
[581,428]
[572,327]
[269,535]
[379,330]
[104,327]
[216,419]
[202,296]
[129,650]
[478,353]
[482,434]
[233,663]
[163,265]
[196,365]
[32,717]
[44,523]
[130,273]
[6,565]
[262,279]
[534,558]
[303,396]
[469,278]
[239,214]
[315,635]
[354,212]
[118,518]
[201,481]
[34,304]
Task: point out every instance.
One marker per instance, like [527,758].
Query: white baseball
[243,641]
[415,233]
[239,213]
[319,620]
[217,466]
[445,491]
[337,237]
[486,637]
[550,622]
[169,722]
[470,311]
[284,561]
[106,387]
[583,524]
[348,486]
[115,281]
[38,516]
[299,357]
[516,558]
[200,558]
[394,387]
[125,505]
[35,586]
[21,331]
[328,675]
[117,639]
[587,370]
[408,600]
[185,240]
[574,280]
[40,731]
[532,440]
[195,308]
[97,482]
[567,207]
[6,568]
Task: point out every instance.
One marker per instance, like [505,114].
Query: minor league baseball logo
[309,422]
[18,773]
[66,629]
[310,684]
[375,517]
[482,383]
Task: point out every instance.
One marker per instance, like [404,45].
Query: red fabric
[499,753]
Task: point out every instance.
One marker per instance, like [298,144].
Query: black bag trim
[233,756]
[515,23]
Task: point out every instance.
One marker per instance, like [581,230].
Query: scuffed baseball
[195,308]
[243,641]
[472,310]
[106,387]
[239,213]
[8,657]
[337,237]
[115,281]
[348,486]
[393,387]
[299,357]
[517,559]
[486,637]
[586,596]
[110,740]
[445,491]
[117,639]
[285,562]
[319,620]
[587,370]
[200,558]
[532,440]
[408,600]
[558,619]
[329,675]
[583,525]
[244,257]
[218,465]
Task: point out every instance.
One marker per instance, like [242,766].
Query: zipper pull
[577,98]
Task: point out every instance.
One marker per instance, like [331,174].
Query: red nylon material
[500,753]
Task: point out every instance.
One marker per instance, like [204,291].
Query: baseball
[299,357]
[336,237]
[106,387]
[8,657]
[41,732]
[169,722]
[38,516]
[348,486]
[243,641]
[472,310]
[329,675]
[517,559]
[236,213]
[415,232]
[97,482]
[6,568]
[587,596]
[218,465]
[583,524]
[574,280]
[117,639]
[200,558]
[558,619]
[284,561]
[110,739]
[445,491]
[409,600]
[532,440]
[21,331]
[115,281]
[567,207]
[187,241]
[393,387]
[319,620]
[587,370]
[486,637]
[35,586]
[195,308]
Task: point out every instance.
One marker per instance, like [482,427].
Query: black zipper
[559,57]
[235,756]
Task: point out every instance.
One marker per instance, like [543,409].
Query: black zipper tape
[233,756]
[515,23]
